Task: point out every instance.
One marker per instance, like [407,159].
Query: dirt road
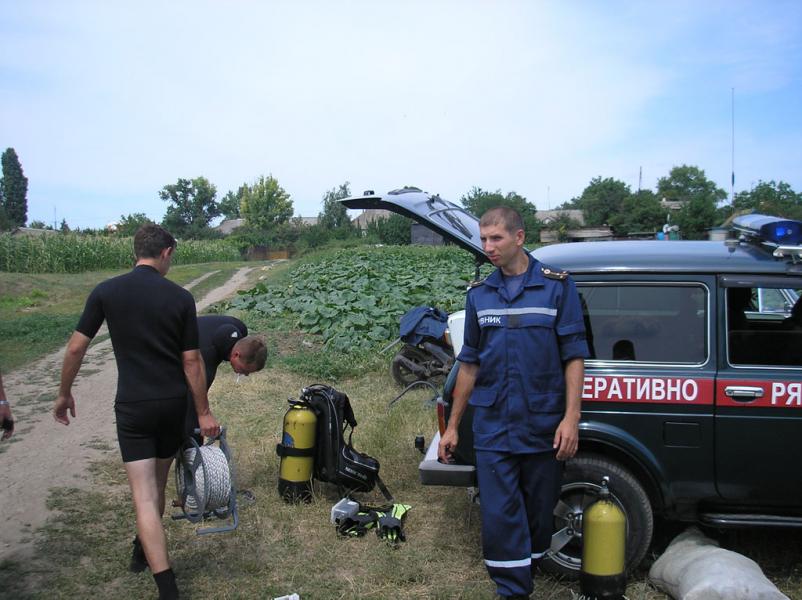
[43,454]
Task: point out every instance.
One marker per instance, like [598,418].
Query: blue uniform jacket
[520,345]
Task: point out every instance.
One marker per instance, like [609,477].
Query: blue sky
[107,102]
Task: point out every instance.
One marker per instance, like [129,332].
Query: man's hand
[566,438]
[7,420]
[447,445]
[64,403]
[208,425]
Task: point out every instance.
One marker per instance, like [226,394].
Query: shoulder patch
[554,273]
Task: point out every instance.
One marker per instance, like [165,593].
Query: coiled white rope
[212,479]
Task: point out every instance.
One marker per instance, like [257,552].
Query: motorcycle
[427,354]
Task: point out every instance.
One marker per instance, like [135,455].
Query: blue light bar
[770,230]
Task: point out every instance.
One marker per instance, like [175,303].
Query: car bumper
[433,472]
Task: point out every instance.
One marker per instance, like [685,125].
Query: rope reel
[204,479]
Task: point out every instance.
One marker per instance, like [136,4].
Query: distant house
[229,225]
[368,216]
[307,220]
[585,234]
[672,204]
[547,217]
[30,231]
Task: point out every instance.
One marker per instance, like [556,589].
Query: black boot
[138,561]
[165,580]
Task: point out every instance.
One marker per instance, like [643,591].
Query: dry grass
[280,548]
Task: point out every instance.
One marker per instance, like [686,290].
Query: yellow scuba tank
[604,535]
[297,452]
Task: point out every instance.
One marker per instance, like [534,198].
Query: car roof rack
[782,237]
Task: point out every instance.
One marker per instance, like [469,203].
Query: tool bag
[336,460]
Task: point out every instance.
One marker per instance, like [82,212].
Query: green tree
[265,204]
[39,225]
[394,230]
[770,198]
[64,228]
[128,224]
[192,207]
[695,218]
[335,214]
[14,189]
[5,222]
[601,200]
[478,201]
[231,202]
[640,212]
[688,184]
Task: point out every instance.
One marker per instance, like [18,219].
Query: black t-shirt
[152,321]
[217,335]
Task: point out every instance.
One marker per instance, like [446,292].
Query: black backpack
[336,460]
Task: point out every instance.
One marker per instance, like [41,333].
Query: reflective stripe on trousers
[518,493]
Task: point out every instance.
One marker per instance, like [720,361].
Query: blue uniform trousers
[518,494]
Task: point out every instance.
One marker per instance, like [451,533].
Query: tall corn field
[72,253]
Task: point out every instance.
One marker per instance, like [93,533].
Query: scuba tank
[604,533]
[297,452]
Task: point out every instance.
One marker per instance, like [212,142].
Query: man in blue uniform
[521,369]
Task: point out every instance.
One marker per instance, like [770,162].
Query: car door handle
[743,393]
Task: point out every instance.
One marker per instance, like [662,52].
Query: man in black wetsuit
[154,333]
[223,338]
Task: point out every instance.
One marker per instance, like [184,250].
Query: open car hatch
[449,220]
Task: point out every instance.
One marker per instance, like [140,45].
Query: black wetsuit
[152,322]
[217,335]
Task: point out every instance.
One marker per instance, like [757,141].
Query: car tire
[581,481]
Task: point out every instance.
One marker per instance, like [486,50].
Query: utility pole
[640,178]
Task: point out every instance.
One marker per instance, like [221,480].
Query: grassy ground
[279,548]
[38,312]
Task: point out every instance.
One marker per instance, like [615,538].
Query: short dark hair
[150,239]
[252,351]
[508,217]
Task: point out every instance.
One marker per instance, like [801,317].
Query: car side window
[764,326]
[646,323]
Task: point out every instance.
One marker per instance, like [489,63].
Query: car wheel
[581,482]
[405,375]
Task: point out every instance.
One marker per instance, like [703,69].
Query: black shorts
[150,428]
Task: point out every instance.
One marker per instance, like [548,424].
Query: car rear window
[764,326]
[665,323]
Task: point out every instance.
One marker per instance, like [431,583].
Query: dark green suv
[692,401]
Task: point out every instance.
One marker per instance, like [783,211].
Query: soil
[43,454]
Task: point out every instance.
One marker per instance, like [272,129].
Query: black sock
[165,580]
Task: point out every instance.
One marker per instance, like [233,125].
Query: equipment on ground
[333,459]
[604,533]
[345,508]
[204,477]
[391,523]
[297,452]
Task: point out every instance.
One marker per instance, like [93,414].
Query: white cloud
[120,99]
